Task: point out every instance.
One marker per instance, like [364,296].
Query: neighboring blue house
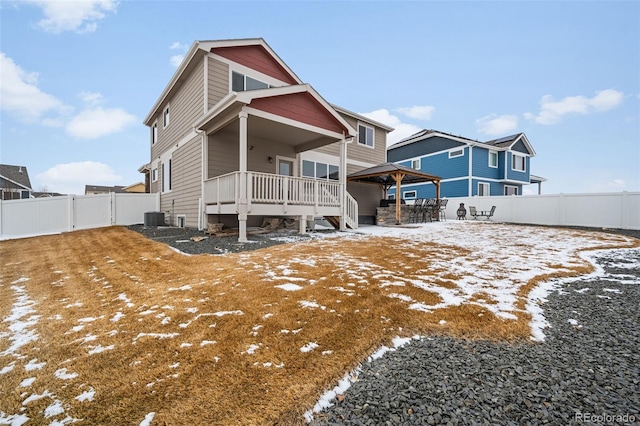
[467,167]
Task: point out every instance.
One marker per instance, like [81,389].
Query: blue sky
[78,78]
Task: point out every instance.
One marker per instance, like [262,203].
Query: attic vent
[182,220]
[20,169]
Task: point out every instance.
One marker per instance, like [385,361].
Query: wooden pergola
[392,174]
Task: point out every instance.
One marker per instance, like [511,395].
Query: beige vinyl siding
[186,175]
[367,195]
[186,106]
[218,78]
[357,152]
[224,153]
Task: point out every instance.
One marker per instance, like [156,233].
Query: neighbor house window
[456,153]
[154,133]
[241,82]
[483,189]
[518,162]
[493,159]
[365,135]
[510,190]
[166,176]
[415,164]
[391,197]
[165,117]
[409,195]
[312,169]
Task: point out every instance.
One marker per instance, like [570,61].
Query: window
[154,175]
[456,153]
[24,194]
[391,197]
[493,159]
[154,133]
[483,189]
[518,162]
[409,195]
[166,176]
[365,135]
[510,190]
[241,82]
[415,164]
[312,169]
[165,117]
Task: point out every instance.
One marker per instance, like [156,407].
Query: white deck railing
[265,188]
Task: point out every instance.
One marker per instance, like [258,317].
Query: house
[98,189]
[467,167]
[14,182]
[236,136]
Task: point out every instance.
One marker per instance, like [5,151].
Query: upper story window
[165,117]
[241,82]
[365,135]
[518,162]
[415,164]
[493,159]
[456,153]
[409,195]
[154,133]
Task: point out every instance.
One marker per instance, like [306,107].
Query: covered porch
[251,143]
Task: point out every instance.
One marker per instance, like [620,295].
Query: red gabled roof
[302,107]
[257,58]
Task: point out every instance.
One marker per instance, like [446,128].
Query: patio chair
[416,211]
[442,206]
[473,213]
[429,209]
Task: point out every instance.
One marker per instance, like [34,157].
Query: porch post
[242,167]
[343,183]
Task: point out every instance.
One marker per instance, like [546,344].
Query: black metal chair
[442,206]
[429,209]
[416,211]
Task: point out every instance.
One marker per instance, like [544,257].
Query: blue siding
[517,175]
[445,167]
[481,164]
[422,147]
[457,188]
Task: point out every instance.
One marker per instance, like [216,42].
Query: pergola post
[398,178]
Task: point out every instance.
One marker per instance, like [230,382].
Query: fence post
[112,207]
[71,207]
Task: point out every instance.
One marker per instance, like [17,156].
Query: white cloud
[20,95]
[176,60]
[176,45]
[97,122]
[91,98]
[402,130]
[79,16]
[497,125]
[613,185]
[418,112]
[552,111]
[70,178]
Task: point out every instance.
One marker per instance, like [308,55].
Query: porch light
[270,159]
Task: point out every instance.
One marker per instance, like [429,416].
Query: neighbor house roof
[503,143]
[17,175]
[98,188]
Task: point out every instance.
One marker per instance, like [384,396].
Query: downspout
[204,173]
[470,190]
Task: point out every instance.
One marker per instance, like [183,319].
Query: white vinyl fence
[42,216]
[619,210]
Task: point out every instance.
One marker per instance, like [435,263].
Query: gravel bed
[180,238]
[586,371]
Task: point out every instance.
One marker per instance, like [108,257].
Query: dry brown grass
[112,288]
